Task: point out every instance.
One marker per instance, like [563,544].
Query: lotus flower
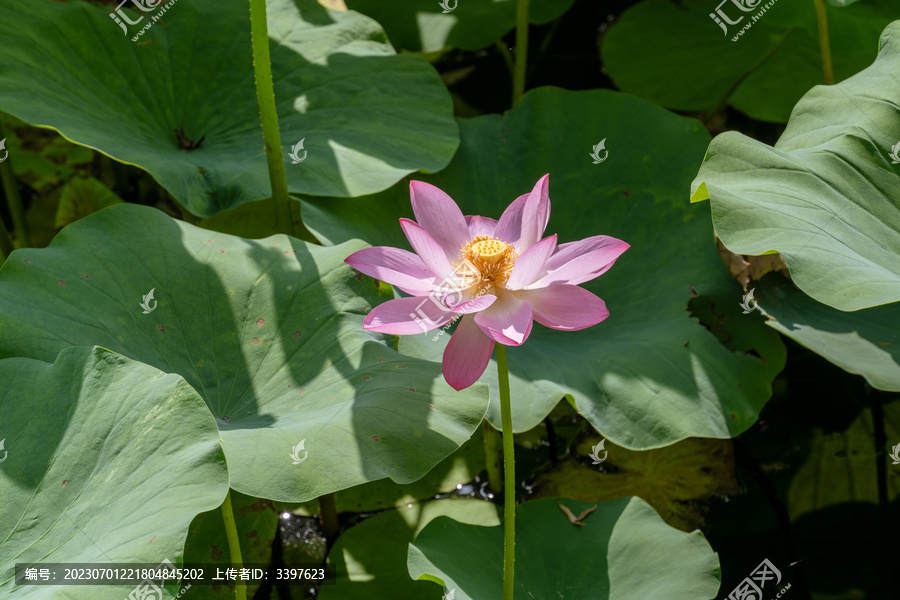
[499,276]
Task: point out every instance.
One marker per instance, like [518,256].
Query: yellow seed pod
[489,250]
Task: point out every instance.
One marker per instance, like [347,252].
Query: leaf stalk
[824,43]
[521,50]
[234,545]
[287,212]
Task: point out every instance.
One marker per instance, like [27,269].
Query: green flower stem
[234,545]
[521,50]
[509,472]
[287,212]
[493,452]
[328,517]
[824,44]
[14,201]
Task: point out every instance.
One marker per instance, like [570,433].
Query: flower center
[485,262]
[489,250]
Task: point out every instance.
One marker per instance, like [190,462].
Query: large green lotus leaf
[106,461]
[425,25]
[650,374]
[269,332]
[256,522]
[367,116]
[675,480]
[623,551]
[675,54]
[825,196]
[865,342]
[370,558]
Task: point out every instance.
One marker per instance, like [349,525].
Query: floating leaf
[82,196]
[677,481]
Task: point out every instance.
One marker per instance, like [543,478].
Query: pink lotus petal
[524,221]
[480,226]
[577,262]
[395,266]
[565,307]
[474,305]
[467,355]
[509,227]
[438,214]
[428,250]
[508,320]
[531,263]
[408,316]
